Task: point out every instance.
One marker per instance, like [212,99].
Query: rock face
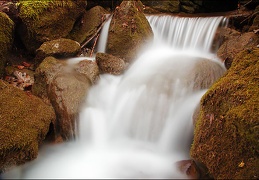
[90,69]
[59,48]
[226,134]
[46,20]
[88,24]
[64,85]
[204,73]
[6,39]
[67,91]
[110,64]
[129,31]
[25,121]
[234,43]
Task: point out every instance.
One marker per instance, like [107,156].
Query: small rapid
[139,124]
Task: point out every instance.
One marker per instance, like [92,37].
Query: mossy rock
[227,131]
[129,31]
[6,39]
[25,121]
[110,64]
[44,75]
[46,20]
[59,48]
[236,43]
[88,24]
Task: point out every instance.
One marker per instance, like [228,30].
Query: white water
[139,124]
[101,46]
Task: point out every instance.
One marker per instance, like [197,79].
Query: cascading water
[101,46]
[137,125]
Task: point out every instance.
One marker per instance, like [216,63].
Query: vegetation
[32,9]
[24,123]
[226,134]
[6,38]
[44,20]
[129,25]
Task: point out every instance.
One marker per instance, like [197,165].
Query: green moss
[46,20]
[228,123]
[128,32]
[32,9]
[6,39]
[6,32]
[24,124]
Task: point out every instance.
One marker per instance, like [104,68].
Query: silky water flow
[139,124]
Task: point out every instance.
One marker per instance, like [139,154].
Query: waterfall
[186,33]
[101,46]
[137,125]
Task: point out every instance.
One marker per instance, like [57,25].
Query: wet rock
[236,43]
[89,68]
[88,24]
[110,64]
[189,168]
[226,133]
[44,75]
[64,85]
[210,69]
[67,92]
[59,48]
[129,31]
[25,121]
[46,20]
[6,39]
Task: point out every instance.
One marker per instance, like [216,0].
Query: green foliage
[32,9]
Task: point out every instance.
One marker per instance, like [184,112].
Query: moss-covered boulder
[6,39]
[129,31]
[88,24]
[64,84]
[110,64]
[47,20]
[25,121]
[59,48]
[227,132]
